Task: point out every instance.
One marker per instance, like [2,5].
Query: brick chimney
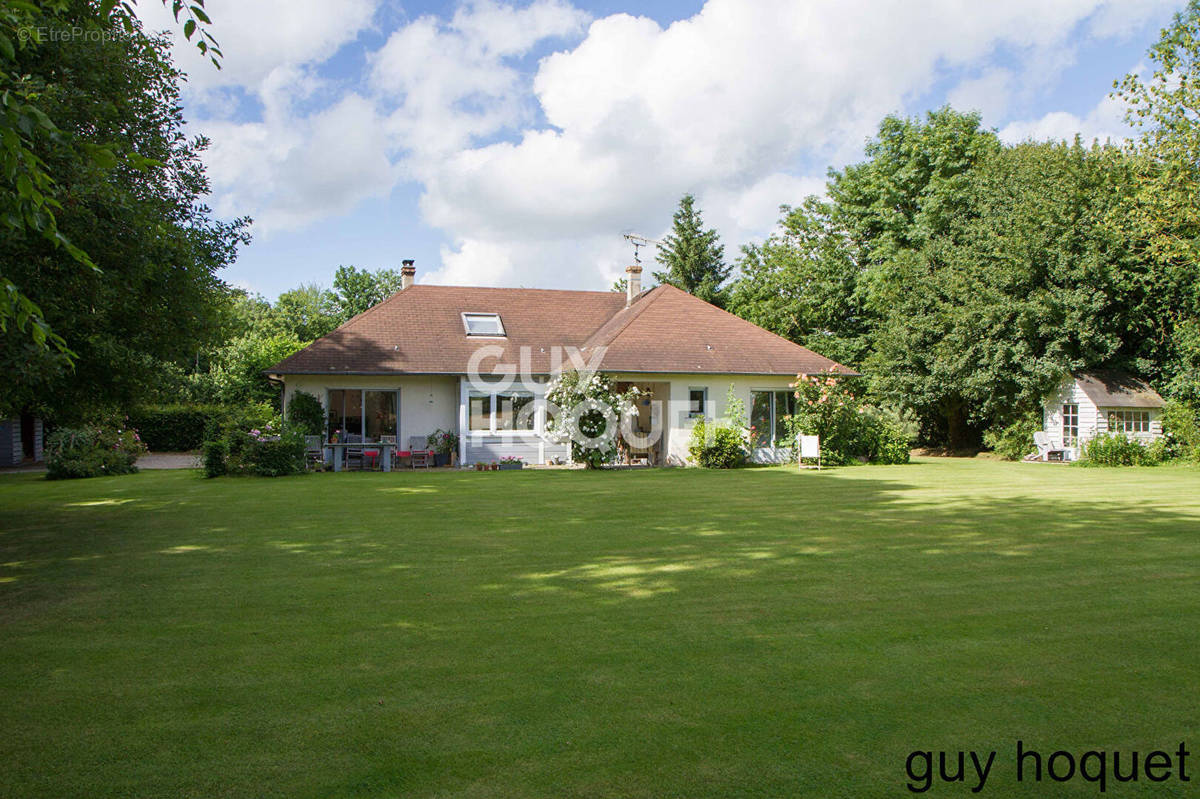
[633,283]
[408,274]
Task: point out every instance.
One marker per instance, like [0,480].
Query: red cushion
[404,453]
[371,453]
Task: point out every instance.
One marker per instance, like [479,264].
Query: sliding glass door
[363,412]
[769,412]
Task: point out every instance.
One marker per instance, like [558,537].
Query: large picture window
[769,412]
[514,411]
[503,411]
[361,412]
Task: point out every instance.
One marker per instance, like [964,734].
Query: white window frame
[539,413]
[467,315]
[1068,439]
[1125,423]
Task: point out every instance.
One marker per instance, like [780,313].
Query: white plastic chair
[1041,440]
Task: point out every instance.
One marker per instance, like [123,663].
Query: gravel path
[168,460]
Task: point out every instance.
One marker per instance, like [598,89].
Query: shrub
[1015,440]
[850,431]
[92,451]
[892,443]
[215,454]
[269,451]
[250,416]
[1114,449]
[717,446]
[721,444]
[274,455]
[305,414]
[1181,430]
[177,428]
[174,428]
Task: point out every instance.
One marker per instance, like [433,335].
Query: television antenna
[639,242]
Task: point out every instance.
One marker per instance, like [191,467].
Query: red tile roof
[420,331]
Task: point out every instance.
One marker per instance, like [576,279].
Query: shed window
[483,324]
[697,400]
[1128,420]
[1070,416]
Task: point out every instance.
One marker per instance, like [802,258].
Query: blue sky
[513,144]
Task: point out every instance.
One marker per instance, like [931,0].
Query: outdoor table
[336,451]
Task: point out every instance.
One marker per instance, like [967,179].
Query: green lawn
[674,633]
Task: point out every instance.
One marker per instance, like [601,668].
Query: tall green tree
[307,311]
[963,277]
[355,290]
[30,198]
[152,300]
[802,283]
[913,187]
[1164,107]
[693,256]
[1026,286]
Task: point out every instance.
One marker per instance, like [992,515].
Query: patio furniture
[338,452]
[314,453]
[354,452]
[1046,449]
[370,454]
[419,452]
[395,454]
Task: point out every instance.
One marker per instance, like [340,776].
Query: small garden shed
[20,440]
[1089,404]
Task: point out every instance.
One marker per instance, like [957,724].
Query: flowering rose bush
[850,430]
[587,410]
[92,451]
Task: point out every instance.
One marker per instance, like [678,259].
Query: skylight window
[483,324]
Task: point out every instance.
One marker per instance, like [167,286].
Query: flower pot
[441,459]
[508,467]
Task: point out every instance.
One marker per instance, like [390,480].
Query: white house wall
[679,426]
[427,403]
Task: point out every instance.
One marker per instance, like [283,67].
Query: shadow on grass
[622,536]
[846,524]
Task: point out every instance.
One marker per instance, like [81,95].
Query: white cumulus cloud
[533,168]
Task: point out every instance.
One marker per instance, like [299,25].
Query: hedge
[182,428]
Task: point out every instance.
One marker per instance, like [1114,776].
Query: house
[477,361]
[20,440]
[1088,404]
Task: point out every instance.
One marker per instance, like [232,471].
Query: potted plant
[444,445]
[507,464]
